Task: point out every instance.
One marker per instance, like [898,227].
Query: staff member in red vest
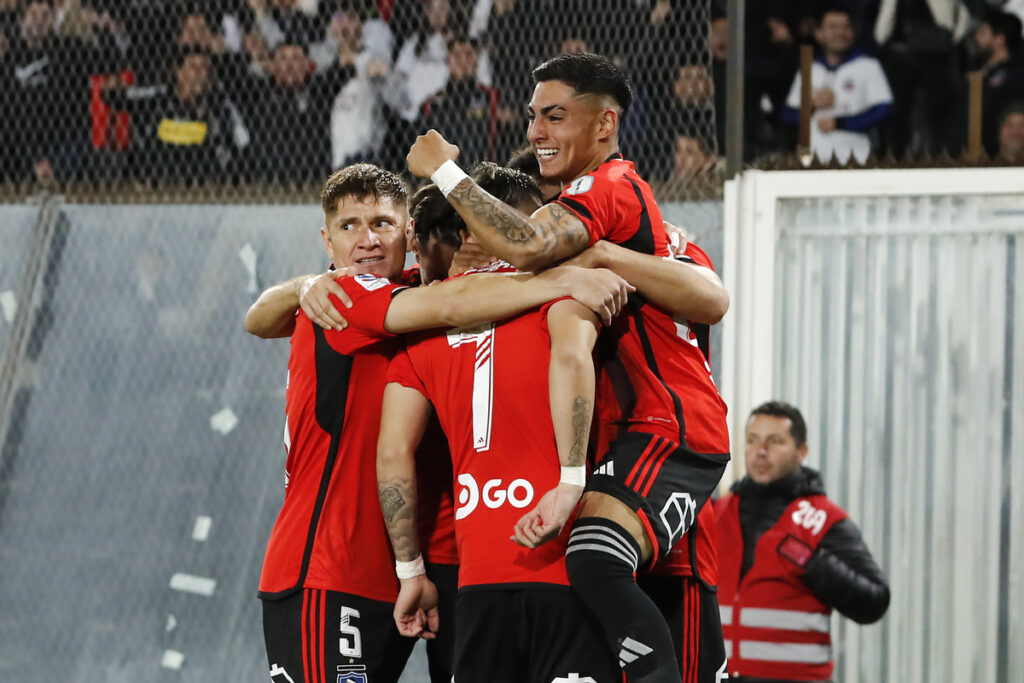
[788,556]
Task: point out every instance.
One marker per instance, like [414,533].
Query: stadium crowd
[287,90]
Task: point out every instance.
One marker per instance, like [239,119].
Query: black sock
[601,560]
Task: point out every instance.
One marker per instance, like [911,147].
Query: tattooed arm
[571,381]
[529,243]
[404,415]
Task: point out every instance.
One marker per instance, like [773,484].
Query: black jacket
[841,573]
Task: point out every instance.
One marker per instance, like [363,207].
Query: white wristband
[410,570]
[577,476]
[447,177]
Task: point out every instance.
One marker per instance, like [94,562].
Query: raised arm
[571,382]
[688,291]
[404,415]
[474,299]
[550,235]
[272,315]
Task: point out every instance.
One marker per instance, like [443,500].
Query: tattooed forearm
[398,503]
[581,415]
[510,224]
[552,234]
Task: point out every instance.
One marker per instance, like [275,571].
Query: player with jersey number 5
[788,556]
[662,442]
[328,583]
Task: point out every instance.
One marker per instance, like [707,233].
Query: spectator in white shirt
[850,94]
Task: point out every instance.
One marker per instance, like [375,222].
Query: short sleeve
[371,296]
[590,199]
[401,371]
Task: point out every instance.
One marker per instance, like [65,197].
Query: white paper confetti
[9,304]
[171,623]
[248,256]
[201,529]
[188,583]
[224,421]
[172,659]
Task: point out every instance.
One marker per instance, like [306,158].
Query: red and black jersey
[654,375]
[330,533]
[502,442]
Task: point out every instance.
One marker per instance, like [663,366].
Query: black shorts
[665,483]
[319,636]
[691,610]
[528,635]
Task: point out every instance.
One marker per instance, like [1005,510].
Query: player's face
[368,236]
[1011,134]
[565,131]
[771,452]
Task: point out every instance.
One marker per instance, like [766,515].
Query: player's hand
[677,239]
[416,608]
[826,124]
[314,299]
[823,98]
[545,521]
[469,256]
[599,289]
[429,152]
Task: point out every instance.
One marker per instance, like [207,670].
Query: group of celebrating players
[508,450]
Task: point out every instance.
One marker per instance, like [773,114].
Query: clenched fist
[429,152]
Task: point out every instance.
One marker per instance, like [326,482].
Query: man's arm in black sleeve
[844,576]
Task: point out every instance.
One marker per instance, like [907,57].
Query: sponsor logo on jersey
[371,282]
[494,493]
[573,678]
[632,650]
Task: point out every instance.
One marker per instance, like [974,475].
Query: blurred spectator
[420,70]
[281,21]
[850,96]
[998,40]
[918,39]
[186,132]
[465,111]
[45,78]
[689,107]
[1011,136]
[290,112]
[361,53]
[718,46]
[695,170]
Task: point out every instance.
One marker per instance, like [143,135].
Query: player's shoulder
[365,281]
[614,173]
[695,255]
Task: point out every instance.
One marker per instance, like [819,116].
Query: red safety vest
[773,626]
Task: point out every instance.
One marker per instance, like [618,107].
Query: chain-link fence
[179,146]
[228,92]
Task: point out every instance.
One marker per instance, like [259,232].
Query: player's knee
[600,552]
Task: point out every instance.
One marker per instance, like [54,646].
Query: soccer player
[517,619]
[663,441]
[327,584]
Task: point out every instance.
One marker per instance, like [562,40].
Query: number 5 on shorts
[349,644]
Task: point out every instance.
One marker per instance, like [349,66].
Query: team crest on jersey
[371,282]
[352,674]
[580,185]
